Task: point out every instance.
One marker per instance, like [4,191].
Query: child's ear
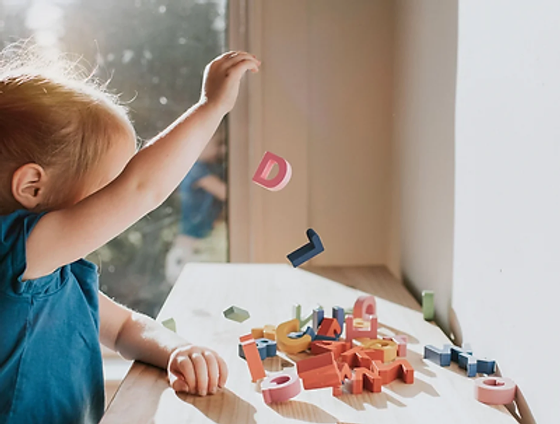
[28,185]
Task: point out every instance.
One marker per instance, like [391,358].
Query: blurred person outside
[202,228]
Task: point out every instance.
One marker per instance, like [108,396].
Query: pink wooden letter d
[280,180]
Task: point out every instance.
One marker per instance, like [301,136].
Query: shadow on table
[381,400]
[417,362]
[303,411]
[225,407]
[519,408]
[277,363]
[377,400]
[411,390]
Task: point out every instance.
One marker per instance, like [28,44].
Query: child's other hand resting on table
[197,370]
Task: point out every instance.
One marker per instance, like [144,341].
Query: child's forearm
[143,339]
[159,168]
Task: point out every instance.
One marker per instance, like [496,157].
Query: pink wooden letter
[365,307]
[280,387]
[357,333]
[280,180]
[494,390]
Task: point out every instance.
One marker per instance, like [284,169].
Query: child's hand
[194,369]
[222,76]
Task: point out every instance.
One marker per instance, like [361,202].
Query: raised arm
[147,180]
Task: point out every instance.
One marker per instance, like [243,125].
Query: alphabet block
[268,345]
[468,363]
[368,378]
[236,313]
[337,391]
[280,387]
[299,334]
[253,358]
[456,351]
[344,371]
[442,357]
[257,333]
[463,356]
[327,338]
[365,307]
[353,332]
[338,314]
[170,324]
[494,390]
[402,341]
[366,357]
[307,251]
[269,332]
[485,366]
[428,305]
[280,180]
[400,368]
[336,347]
[297,315]
[288,345]
[266,348]
[318,315]
[329,328]
[387,348]
[319,371]
[350,356]
[466,360]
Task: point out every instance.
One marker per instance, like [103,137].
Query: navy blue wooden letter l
[308,251]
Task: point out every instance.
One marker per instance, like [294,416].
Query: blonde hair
[55,115]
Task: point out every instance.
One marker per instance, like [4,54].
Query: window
[154,52]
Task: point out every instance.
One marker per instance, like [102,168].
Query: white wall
[507,229]
[425,70]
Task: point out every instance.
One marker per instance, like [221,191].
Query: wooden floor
[438,395]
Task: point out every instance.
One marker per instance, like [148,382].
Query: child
[70,181]
[202,236]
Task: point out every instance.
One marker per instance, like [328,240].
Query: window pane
[154,52]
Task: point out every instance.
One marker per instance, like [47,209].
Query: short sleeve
[14,231]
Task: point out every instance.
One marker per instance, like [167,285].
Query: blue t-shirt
[199,208]
[50,357]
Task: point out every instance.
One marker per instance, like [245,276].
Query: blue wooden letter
[307,251]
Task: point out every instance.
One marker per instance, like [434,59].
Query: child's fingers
[180,386]
[224,56]
[201,371]
[213,371]
[223,371]
[186,369]
[237,71]
[234,60]
[232,63]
